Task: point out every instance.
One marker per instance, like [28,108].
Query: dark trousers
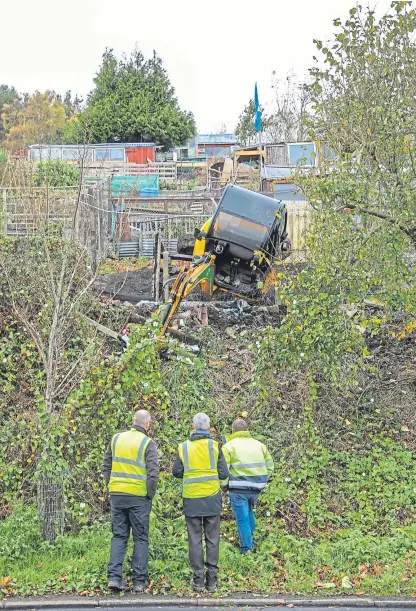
[129,512]
[211,527]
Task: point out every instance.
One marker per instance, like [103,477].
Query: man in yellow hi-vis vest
[201,465]
[250,465]
[131,470]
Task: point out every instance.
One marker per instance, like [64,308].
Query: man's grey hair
[201,421]
[141,417]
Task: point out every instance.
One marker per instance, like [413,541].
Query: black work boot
[117,585]
[211,584]
[197,584]
[139,586]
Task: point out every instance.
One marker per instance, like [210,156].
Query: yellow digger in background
[234,250]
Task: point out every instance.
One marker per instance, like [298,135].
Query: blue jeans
[242,506]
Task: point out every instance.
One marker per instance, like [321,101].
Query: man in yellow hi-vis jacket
[250,465]
[201,465]
[131,470]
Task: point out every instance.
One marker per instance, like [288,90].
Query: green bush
[20,534]
[56,173]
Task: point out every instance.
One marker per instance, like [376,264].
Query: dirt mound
[126,286]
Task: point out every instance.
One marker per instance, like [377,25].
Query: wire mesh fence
[83,213]
[51,506]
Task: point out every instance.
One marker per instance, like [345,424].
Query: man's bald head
[239,425]
[142,418]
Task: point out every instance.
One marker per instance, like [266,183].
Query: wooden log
[102,328]
[140,320]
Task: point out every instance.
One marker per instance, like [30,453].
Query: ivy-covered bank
[338,515]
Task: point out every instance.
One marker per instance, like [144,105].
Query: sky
[214,51]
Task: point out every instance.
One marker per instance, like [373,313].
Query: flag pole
[257,122]
[261,160]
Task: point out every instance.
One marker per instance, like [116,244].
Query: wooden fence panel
[167,172]
[299,216]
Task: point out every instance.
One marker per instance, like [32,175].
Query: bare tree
[46,279]
[288,120]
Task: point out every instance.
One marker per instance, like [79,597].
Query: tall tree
[9,99]
[374,142]
[245,127]
[361,241]
[133,100]
[40,121]
[288,121]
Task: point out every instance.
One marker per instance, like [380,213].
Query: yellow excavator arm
[199,272]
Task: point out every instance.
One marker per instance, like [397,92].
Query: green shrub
[20,534]
[56,173]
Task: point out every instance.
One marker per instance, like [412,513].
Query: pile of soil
[126,286]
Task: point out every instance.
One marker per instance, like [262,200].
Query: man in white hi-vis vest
[250,465]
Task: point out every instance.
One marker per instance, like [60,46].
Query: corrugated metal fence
[145,229]
[170,228]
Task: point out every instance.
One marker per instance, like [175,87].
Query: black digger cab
[245,224]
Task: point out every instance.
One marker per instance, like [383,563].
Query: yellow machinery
[234,250]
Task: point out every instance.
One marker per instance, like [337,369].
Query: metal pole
[261,158]
[206,163]
[5,211]
[166,273]
[156,267]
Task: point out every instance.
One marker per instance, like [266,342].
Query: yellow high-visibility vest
[200,465]
[128,470]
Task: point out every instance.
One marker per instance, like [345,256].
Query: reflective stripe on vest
[248,469]
[200,460]
[128,471]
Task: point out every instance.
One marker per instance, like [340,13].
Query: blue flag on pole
[257,111]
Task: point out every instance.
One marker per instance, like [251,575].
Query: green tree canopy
[133,100]
[245,127]
[9,98]
[364,99]
[359,286]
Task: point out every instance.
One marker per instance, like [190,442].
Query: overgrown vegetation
[56,173]
[114,266]
[339,511]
